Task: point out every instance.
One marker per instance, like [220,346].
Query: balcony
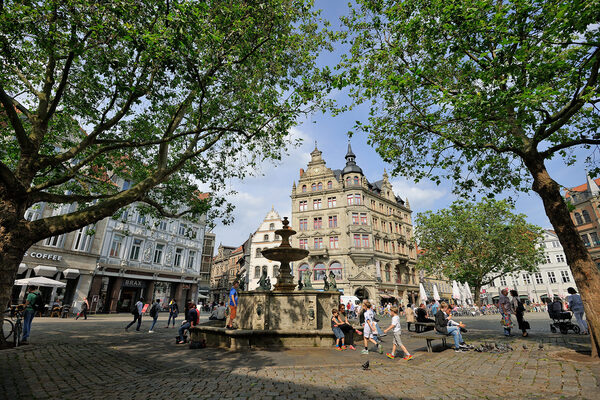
[322,252]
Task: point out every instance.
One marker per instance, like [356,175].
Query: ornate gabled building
[359,230]
[585,213]
[264,238]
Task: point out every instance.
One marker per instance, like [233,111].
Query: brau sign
[44,256]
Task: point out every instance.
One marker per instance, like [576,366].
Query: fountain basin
[285,254]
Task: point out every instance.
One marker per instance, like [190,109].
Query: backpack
[154,311]
[38,303]
[134,310]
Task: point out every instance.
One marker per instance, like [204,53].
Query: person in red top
[193,319]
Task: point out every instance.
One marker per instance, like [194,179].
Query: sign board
[134,283]
[44,256]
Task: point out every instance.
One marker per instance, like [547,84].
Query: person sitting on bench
[422,317]
[446,326]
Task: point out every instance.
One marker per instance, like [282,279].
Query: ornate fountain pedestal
[281,318]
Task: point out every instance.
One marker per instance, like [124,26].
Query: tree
[170,96]
[477,242]
[483,93]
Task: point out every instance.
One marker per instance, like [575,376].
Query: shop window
[136,247]
[158,253]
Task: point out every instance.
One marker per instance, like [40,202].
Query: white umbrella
[455,291]
[550,294]
[422,294]
[468,293]
[436,294]
[40,281]
[530,294]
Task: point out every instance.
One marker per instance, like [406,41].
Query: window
[266,238]
[397,227]
[178,257]
[578,218]
[319,271]
[303,243]
[319,243]
[378,244]
[372,204]
[271,226]
[564,275]
[560,258]
[375,223]
[301,269]
[182,229]
[336,268]
[357,241]
[54,241]
[141,219]
[350,199]
[32,215]
[538,278]
[333,242]
[356,180]
[388,274]
[257,271]
[333,221]
[125,214]
[317,223]
[313,187]
[386,246]
[303,224]
[134,254]
[390,225]
[275,271]
[502,281]
[555,243]
[548,259]
[527,279]
[585,239]
[586,216]
[317,204]
[258,254]
[551,277]
[115,246]
[355,219]
[594,237]
[365,241]
[162,225]
[331,202]
[158,253]
[277,237]
[357,199]
[363,218]
[191,259]
[303,188]
[82,240]
[320,186]
[303,205]
[264,270]
[348,181]
[329,185]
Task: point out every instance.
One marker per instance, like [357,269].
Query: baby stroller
[561,320]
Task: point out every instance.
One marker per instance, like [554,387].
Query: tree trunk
[583,267]
[476,299]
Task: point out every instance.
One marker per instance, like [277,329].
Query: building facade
[227,264]
[358,230]
[585,214]
[264,238]
[552,278]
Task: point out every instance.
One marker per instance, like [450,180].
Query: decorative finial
[285,223]
[315,145]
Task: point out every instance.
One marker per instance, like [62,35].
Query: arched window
[388,273]
[336,268]
[320,186]
[329,185]
[302,269]
[258,253]
[303,188]
[271,226]
[319,271]
[266,238]
[275,271]
[586,216]
[256,272]
[356,180]
[348,181]
[578,218]
[264,270]
[313,187]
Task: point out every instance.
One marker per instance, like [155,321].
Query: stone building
[585,200]
[552,278]
[357,229]
[264,238]
[226,266]
[208,248]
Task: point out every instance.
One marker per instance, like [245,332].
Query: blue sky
[256,195]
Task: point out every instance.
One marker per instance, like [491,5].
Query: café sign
[44,256]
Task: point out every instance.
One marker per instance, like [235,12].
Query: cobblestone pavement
[97,359]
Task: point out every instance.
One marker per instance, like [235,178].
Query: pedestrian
[154,310]
[410,316]
[335,327]
[518,309]
[505,311]
[395,325]
[352,310]
[434,308]
[576,305]
[233,302]
[369,328]
[446,326]
[173,312]
[85,306]
[192,319]
[30,305]
[137,314]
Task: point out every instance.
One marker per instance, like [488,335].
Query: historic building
[264,238]
[585,200]
[227,264]
[359,230]
[552,278]
[208,249]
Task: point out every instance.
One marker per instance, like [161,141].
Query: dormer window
[356,180]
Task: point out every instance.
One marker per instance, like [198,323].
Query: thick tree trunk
[477,293]
[583,267]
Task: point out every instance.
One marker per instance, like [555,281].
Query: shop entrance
[129,296]
[361,293]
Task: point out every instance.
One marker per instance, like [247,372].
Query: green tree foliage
[483,93]
[477,242]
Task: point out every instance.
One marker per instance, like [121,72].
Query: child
[369,329]
[395,325]
[335,326]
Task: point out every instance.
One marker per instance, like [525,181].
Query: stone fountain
[284,317]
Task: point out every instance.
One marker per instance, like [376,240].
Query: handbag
[526,325]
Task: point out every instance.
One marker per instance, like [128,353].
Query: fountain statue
[325,283]
[307,284]
[332,282]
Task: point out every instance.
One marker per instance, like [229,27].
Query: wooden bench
[419,326]
[430,337]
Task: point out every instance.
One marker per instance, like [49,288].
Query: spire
[350,153]
[350,162]
[407,203]
[592,187]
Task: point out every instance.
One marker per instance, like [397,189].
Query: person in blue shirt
[435,307]
[233,302]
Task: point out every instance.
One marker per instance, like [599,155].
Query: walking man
[137,314]
[85,305]
[154,314]
[233,302]
[29,313]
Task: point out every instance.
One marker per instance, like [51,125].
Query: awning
[201,296]
[22,268]
[71,273]
[39,281]
[44,270]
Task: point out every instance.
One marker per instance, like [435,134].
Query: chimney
[301,172]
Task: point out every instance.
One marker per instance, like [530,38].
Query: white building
[264,238]
[552,279]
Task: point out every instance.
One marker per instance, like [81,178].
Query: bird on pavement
[524,347]
[365,366]
[541,346]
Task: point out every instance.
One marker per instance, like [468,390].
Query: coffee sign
[44,256]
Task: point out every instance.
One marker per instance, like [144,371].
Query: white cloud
[421,196]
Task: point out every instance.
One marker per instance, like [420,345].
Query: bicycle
[13,328]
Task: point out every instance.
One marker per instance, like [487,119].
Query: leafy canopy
[477,242]
[472,90]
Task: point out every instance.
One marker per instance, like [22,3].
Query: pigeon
[496,345]
[524,347]
[541,345]
[508,346]
[365,366]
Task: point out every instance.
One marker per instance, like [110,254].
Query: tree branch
[545,154]
[9,108]
[161,210]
